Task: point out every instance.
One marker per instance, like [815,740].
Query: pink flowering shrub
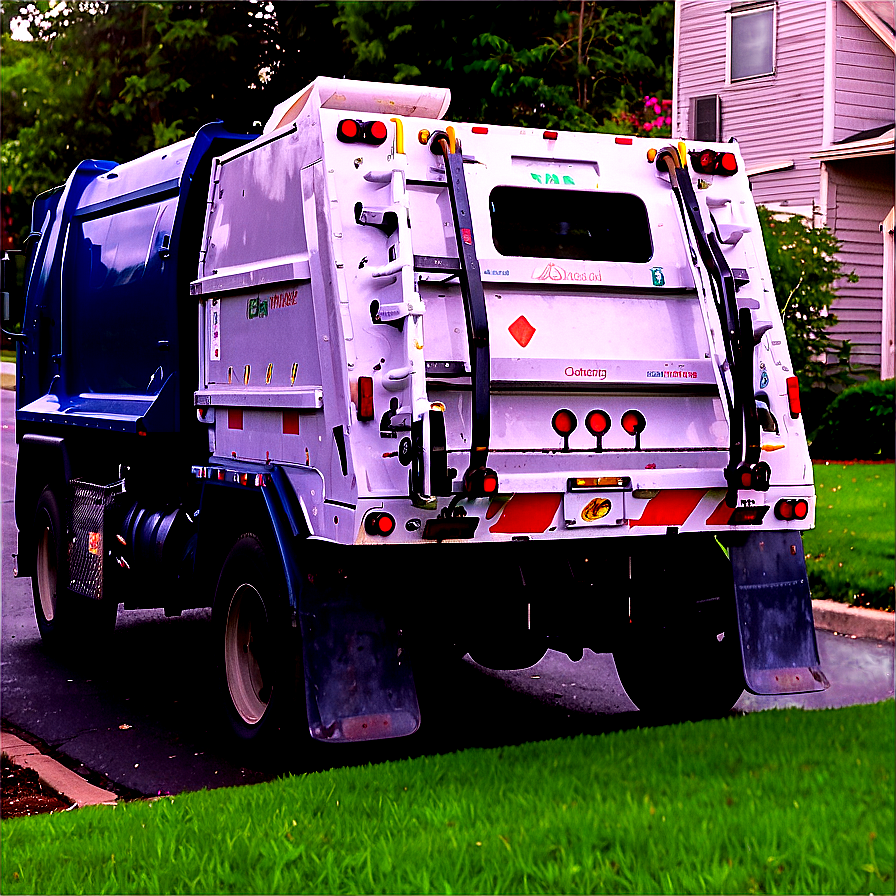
[654,120]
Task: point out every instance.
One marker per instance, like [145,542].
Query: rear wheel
[256,666]
[677,675]
[679,655]
[506,655]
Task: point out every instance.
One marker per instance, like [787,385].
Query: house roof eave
[882,145]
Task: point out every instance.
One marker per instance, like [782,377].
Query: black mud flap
[358,682]
[774,614]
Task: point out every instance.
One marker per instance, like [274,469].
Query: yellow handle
[452,140]
[399,135]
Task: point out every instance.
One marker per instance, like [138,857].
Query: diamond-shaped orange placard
[522,331]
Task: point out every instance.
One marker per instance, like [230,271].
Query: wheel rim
[46,573]
[246,659]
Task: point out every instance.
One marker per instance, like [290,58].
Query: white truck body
[287,280]
[451,388]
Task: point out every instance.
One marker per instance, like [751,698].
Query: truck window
[588,226]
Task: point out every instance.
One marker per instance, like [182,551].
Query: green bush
[859,424]
[805,272]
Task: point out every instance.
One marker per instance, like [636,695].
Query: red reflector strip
[528,513]
[671,507]
[624,141]
[550,135]
[793,396]
[480,130]
[467,236]
[290,422]
[234,419]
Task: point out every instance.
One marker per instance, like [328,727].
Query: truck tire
[64,619]
[681,673]
[254,643]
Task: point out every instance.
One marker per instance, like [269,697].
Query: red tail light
[365,398]
[350,130]
[633,423]
[379,523]
[784,510]
[793,396]
[792,509]
[564,423]
[597,422]
[480,482]
[708,161]
[550,135]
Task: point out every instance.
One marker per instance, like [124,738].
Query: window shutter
[706,118]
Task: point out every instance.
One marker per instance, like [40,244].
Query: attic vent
[706,118]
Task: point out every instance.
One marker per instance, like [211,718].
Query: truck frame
[377,388]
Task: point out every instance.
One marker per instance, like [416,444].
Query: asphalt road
[138,717]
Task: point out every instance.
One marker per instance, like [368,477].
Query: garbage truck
[378,388]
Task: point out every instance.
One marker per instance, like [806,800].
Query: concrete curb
[859,622]
[57,777]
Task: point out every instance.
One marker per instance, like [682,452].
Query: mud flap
[774,614]
[358,683]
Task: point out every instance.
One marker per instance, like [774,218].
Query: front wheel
[64,619]
[256,659]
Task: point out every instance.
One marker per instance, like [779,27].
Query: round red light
[564,422]
[379,524]
[801,509]
[633,422]
[784,510]
[706,161]
[348,129]
[597,422]
[728,163]
[490,484]
[377,131]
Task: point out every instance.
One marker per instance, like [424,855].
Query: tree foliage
[805,270]
[117,79]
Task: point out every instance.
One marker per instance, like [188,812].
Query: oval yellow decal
[596,509]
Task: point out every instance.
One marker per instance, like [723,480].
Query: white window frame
[737,12]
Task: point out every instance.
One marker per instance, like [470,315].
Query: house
[806,87]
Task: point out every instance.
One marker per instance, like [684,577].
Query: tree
[117,79]
[805,269]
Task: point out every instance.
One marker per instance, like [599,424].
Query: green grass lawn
[784,801]
[7,355]
[849,554]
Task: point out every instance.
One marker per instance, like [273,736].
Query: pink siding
[780,118]
[860,195]
[864,77]
[774,118]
